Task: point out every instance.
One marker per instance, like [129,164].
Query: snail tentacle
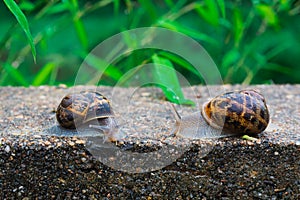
[177,120]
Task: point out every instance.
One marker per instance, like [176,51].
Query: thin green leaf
[213,11]
[129,40]
[149,8]
[238,27]
[44,74]
[96,6]
[102,66]
[192,33]
[53,9]
[285,5]
[53,76]
[116,7]
[178,6]
[15,74]
[167,80]
[21,18]
[180,61]
[268,14]
[260,59]
[279,68]
[169,3]
[208,11]
[278,49]
[80,30]
[78,24]
[48,7]
[74,5]
[230,58]
[221,4]
[27,5]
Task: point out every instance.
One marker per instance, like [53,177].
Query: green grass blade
[221,4]
[190,32]
[78,24]
[278,49]
[167,80]
[116,7]
[169,3]
[238,27]
[180,61]
[102,66]
[15,74]
[268,14]
[149,8]
[279,68]
[213,12]
[21,18]
[230,59]
[178,5]
[44,74]
[80,30]
[51,5]
[26,5]
[54,9]
[53,75]
[208,11]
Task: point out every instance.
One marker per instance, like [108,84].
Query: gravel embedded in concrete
[35,165]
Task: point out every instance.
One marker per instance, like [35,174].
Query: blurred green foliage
[251,42]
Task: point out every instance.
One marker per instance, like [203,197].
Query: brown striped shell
[239,112]
[79,108]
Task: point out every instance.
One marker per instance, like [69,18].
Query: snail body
[232,113]
[87,108]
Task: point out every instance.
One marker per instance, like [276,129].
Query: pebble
[47,143]
[7,149]
[80,141]
[71,143]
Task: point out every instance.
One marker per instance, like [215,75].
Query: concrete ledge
[34,165]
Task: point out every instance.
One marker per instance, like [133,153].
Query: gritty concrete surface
[145,163]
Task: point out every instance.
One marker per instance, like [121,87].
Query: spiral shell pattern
[239,112]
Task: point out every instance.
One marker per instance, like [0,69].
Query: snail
[87,108]
[232,113]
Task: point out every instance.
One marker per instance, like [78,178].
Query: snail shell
[240,112]
[86,107]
